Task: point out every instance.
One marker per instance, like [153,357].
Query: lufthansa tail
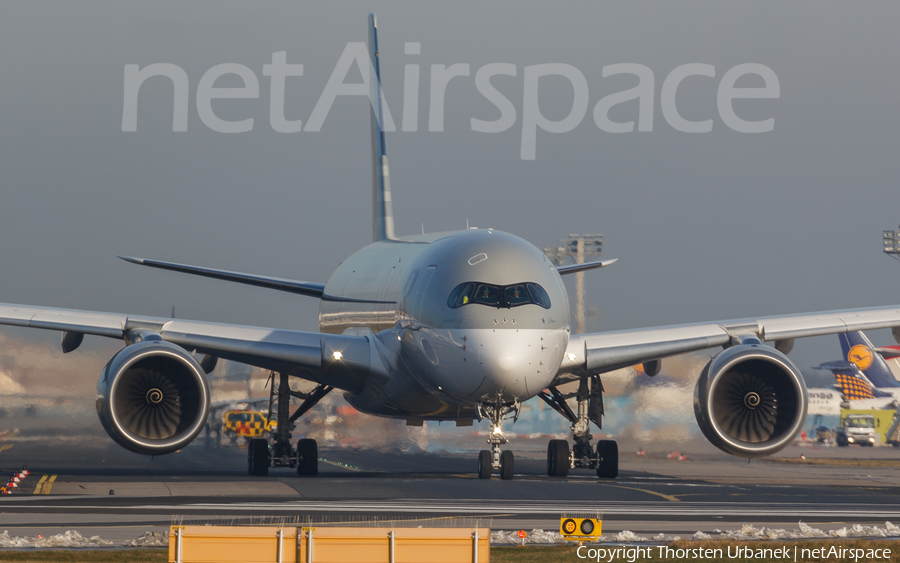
[858,350]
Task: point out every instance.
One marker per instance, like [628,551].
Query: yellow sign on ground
[580,529]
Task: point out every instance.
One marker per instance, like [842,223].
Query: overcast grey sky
[706,226]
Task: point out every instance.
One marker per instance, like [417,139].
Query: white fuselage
[443,358]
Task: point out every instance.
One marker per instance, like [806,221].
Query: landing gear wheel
[558,458]
[607,459]
[307,457]
[485,464]
[258,457]
[507,465]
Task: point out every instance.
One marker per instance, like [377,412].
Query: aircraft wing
[606,351]
[280,284]
[337,360]
[574,268]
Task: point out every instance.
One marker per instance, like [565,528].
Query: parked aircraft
[458,326]
[862,381]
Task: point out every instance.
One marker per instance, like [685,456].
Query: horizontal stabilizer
[888,352]
[291,286]
[842,366]
[573,268]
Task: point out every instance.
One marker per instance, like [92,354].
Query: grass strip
[569,554]
[159,555]
[538,554]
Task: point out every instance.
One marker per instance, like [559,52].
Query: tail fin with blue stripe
[858,350]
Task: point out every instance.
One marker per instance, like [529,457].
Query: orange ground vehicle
[246,424]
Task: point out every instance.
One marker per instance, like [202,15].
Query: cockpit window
[516,295]
[539,295]
[498,295]
[487,295]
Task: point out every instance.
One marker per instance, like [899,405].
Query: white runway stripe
[496,507]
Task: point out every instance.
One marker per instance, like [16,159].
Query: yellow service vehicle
[247,424]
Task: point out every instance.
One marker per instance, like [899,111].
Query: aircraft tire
[485,463]
[258,457]
[307,457]
[607,459]
[507,465]
[558,458]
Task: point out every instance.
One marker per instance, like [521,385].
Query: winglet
[382,209]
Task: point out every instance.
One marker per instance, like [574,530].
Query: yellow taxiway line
[671,498]
[47,485]
[40,484]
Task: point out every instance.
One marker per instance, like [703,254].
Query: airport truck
[856,429]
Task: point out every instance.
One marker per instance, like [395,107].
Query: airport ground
[96,487]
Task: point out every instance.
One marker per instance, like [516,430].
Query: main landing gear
[494,458]
[605,459]
[305,456]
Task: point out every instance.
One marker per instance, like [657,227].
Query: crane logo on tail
[860,355]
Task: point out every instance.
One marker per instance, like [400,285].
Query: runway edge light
[580,529]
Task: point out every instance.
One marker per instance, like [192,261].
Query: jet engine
[750,400]
[153,397]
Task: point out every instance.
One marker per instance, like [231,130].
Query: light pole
[892,244]
[576,248]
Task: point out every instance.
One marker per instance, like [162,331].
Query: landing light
[571,357]
[337,356]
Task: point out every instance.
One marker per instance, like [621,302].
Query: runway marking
[671,498]
[481,507]
[40,484]
[48,485]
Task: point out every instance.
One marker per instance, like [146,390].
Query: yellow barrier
[394,545]
[232,544]
[235,544]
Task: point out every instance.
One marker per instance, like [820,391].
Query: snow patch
[149,539]
[70,538]
[746,532]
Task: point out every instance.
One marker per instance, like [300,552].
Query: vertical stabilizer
[382,210]
[858,350]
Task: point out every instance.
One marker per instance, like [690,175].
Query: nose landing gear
[495,459]
[605,459]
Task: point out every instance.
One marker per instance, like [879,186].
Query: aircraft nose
[517,364]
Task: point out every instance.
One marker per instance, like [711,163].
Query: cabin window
[513,295]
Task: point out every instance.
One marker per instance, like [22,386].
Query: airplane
[864,379]
[451,326]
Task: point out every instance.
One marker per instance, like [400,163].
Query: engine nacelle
[750,400]
[153,397]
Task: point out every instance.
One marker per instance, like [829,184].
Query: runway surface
[95,485]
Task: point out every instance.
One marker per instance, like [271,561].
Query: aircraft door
[416,309]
